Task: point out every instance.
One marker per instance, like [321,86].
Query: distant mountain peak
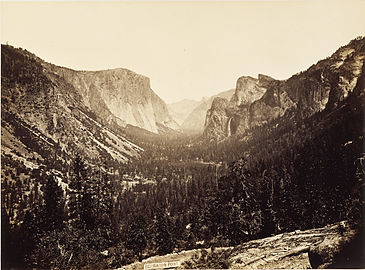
[195,121]
[181,109]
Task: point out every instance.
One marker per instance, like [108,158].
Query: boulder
[339,251]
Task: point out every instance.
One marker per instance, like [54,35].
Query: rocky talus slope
[259,101]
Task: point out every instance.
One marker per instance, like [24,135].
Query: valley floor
[287,250]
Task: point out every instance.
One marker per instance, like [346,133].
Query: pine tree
[163,237]
[53,211]
[7,245]
[78,176]
[87,215]
[30,232]
[136,235]
[104,205]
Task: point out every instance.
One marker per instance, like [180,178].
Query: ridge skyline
[187,49]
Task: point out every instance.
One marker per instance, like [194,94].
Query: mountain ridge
[320,87]
[44,116]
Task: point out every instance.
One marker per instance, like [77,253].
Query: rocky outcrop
[218,123]
[248,90]
[322,87]
[346,251]
[236,116]
[283,251]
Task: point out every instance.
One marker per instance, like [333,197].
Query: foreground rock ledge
[315,248]
[346,251]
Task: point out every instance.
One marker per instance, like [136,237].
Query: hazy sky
[187,49]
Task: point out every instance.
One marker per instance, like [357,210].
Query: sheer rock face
[248,90]
[226,118]
[218,122]
[321,87]
[120,94]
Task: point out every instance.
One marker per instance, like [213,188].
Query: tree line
[298,176]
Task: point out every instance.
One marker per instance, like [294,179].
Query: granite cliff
[121,95]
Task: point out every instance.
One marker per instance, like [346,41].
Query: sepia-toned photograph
[142,135]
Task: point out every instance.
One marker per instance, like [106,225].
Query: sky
[187,49]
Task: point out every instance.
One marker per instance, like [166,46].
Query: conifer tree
[163,237]
[78,176]
[53,211]
[105,194]
[136,235]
